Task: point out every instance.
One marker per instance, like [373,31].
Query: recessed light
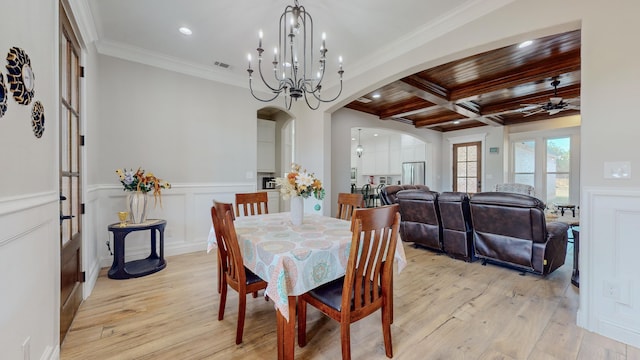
[375,96]
[185,31]
[375,134]
[524,44]
[456,122]
[353,139]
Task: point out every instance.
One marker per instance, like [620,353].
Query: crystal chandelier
[293,66]
[359,148]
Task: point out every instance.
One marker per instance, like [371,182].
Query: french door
[71,275]
[466,167]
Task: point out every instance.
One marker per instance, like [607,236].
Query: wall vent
[364,100]
[222,65]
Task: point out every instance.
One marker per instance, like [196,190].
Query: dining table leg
[286,333]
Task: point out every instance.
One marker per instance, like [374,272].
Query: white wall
[610,87]
[181,128]
[197,134]
[29,240]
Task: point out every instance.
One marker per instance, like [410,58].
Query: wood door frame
[454,163]
[71,267]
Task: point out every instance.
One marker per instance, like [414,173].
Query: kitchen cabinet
[273,201]
[413,150]
[266,146]
[377,157]
[395,157]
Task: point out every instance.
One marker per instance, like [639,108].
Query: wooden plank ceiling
[488,88]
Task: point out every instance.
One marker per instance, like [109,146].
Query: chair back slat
[217,212]
[252,203]
[347,203]
[236,266]
[368,273]
[233,267]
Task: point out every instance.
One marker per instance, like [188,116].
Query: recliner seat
[511,229]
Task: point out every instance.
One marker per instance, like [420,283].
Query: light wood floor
[444,309]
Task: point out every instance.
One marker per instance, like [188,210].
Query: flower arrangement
[142,182]
[299,182]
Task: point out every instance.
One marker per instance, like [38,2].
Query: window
[524,155]
[558,167]
[466,167]
[544,161]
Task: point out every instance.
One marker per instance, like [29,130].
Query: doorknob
[64,217]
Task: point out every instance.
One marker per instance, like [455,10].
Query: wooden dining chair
[223,257]
[366,286]
[366,194]
[236,275]
[347,203]
[252,203]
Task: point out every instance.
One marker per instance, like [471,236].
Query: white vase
[297,210]
[137,203]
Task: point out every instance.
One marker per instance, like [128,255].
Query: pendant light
[359,148]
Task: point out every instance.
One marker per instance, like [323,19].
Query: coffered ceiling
[499,87]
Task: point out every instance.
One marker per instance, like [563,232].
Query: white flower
[304,179]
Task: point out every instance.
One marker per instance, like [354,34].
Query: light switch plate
[617,170]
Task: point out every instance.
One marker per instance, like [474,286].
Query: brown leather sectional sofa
[503,228]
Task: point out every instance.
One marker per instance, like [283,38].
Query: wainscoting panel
[29,275]
[609,257]
[185,207]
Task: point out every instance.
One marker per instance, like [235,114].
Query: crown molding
[81,14]
[143,56]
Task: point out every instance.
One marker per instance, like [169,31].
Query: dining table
[294,260]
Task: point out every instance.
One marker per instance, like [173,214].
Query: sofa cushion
[388,194]
[420,218]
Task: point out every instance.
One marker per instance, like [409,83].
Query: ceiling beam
[407,109]
[439,119]
[566,92]
[423,89]
[355,105]
[540,116]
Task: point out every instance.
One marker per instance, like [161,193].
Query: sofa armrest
[556,231]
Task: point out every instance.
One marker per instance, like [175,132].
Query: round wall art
[3,96]
[20,76]
[37,119]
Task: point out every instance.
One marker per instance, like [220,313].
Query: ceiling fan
[555,104]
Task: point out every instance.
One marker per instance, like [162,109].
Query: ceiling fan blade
[529,107]
[533,112]
[572,100]
[554,111]
[572,107]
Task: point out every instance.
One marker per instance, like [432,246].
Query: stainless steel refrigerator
[413,173]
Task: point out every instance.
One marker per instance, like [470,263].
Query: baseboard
[51,353]
[90,280]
